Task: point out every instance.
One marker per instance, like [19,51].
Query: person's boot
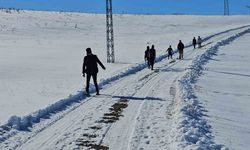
[87,93]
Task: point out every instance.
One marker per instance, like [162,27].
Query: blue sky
[196,7]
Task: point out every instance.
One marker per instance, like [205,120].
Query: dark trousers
[152,62]
[180,54]
[94,76]
[170,55]
[199,45]
[148,64]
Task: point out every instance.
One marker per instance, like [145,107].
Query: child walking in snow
[170,52]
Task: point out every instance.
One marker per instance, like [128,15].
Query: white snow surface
[194,129]
[228,102]
[43,107]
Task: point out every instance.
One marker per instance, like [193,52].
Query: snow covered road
[147,120]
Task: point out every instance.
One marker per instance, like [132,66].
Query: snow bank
[194,132]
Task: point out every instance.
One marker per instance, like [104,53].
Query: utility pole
[226,8]
[110,32]
[248,8]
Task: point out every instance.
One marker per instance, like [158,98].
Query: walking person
[152,55]
[180,48]
[199,40]
[146,56]
[170,52]
[90,68]
[194,42]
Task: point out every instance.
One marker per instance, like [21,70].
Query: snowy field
[40,74]
[228,102]
[42,52]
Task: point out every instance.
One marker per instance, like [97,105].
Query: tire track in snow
[173,104]
[145,112]
[58,117]
[139,134]
[150,87]
[150,111]
[123,90]
[142,81]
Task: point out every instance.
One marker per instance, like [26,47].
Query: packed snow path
[145,121]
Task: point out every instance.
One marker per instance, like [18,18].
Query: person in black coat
[146,56]
[170,52]
[194,42]
[152,55]
[180,48]
[90,68]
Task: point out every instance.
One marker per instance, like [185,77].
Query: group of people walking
[198,41]
[150,53]
[91,61]
[180,48]
[149,56]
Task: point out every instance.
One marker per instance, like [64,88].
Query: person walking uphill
[180,48]
[90,68]
[199,40]
[170,52]
[152,55]
[194,42]
[146,56]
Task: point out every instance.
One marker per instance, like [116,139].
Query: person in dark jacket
[199,40]
[180,48]
[90,68]
[146,56]
[194,42]
[170,52]
[152,55]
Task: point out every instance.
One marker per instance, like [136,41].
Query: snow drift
[194,130]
